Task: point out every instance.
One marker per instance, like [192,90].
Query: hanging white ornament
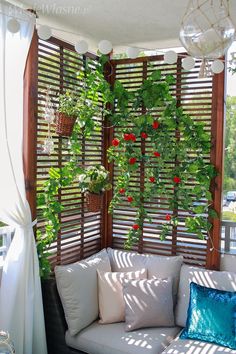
[105,47]
[13,25]
[217,66]
[205,69]
[188,63]
[133,52]
[207,29]
[48,146]
[49,115]
[170,57]
[44,32]
[81,47]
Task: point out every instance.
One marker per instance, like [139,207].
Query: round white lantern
[188,63]
[170,57]
[81,47]
[13,25]
[105,47]
[44,32]
[132,52]
[207,30]
[217,66]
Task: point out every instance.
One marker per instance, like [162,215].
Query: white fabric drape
[21,309]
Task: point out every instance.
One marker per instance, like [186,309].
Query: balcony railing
[6,235]
[228,236]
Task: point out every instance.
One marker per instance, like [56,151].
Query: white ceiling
[144,23]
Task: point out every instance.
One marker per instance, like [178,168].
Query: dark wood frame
[30,148]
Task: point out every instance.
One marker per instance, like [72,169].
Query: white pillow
[77,287]
[157,266]
[209,278]
[110,294]
[148,303]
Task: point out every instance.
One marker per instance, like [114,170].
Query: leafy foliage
[94,179]
[172,137]
[85,106]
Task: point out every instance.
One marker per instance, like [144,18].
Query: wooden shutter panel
[194,95]
[80,233]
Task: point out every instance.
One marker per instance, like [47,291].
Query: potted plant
[66,114]
[94,181]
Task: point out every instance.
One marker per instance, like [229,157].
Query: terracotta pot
[64,124]
[94,202]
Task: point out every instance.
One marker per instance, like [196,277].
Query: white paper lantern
[105,47]
[132,52]
[188,63]
[13,25]
[44,32]
[217,66]
[170,57]
[81,47]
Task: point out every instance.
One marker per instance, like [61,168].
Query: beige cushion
[112,339]
[228,262]
[77,287]
[110,294]
[148,303]
[188,346]
[157,266]
[201,276]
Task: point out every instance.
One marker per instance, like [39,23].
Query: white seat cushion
[112,339]
[188,346]
[211,279]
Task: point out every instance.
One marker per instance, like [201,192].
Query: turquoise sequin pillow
[211,316]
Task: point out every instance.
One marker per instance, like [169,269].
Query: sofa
[72,301]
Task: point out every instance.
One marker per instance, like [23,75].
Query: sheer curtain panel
[21,309]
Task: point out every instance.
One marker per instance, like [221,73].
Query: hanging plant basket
[94,202]
[64,124]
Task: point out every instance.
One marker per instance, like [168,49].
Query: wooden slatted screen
[80,233]
[195,96]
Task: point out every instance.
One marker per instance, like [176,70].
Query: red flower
[144,135]
[157,154]
[132,137]
[132,160]
[115,142]
[168,217]
[152,179]
[126,137]
[130,199]
[122,191]
[155,125]
[135,226]
[177,179]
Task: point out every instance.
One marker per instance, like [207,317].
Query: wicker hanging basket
[94,202]
[64,124]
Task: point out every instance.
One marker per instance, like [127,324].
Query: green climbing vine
[173,145]
[169,143]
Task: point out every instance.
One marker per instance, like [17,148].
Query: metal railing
[6,235]
[228,236]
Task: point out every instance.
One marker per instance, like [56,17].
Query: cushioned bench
[97,338]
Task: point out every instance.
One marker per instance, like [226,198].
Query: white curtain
[21,309]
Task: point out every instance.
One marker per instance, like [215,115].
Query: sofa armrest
[55,322]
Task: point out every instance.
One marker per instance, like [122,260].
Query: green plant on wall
[85,106]
[172,137]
